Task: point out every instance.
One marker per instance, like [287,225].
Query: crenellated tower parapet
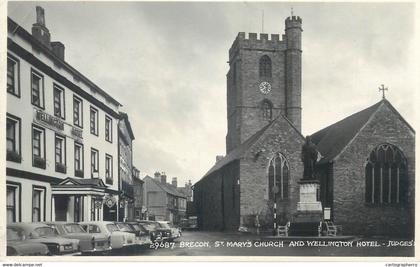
[252,40]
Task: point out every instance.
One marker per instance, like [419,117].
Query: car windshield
[14,234]
[164,225]
[45,231]
[136,227]
[92,228]
[74,228]
[124,227]
[111,227]
[149,226]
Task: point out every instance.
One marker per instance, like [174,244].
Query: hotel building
[62,134]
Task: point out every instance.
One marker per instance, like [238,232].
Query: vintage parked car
[142,236]
[175,231]
[42,233]
[118,238]
[160,234]
[88,242]
[17,245]
[151,230]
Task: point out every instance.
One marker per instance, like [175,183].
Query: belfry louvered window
[265,67]
[386,175]
[278,178]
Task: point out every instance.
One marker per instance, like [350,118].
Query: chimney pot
[40,16]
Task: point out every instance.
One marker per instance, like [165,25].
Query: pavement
[197,243]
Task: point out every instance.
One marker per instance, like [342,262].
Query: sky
[166,63]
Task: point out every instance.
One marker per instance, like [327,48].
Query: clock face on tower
[265,87]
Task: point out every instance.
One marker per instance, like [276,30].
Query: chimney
[219,157]
[174,182]
[58,49]
[157,176]
[39,30]
[163,178]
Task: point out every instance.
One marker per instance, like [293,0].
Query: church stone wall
[216,199]
[250,111]
[350,209]
[280,137]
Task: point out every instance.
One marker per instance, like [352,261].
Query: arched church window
[278,178]
[267,110]
[386,175]
[265,67]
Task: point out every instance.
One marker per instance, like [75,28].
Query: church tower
[264,80]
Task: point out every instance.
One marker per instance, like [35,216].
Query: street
[236,244]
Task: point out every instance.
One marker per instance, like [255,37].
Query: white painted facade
[26,178]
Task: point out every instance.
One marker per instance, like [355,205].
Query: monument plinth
[309,208]
[308,196]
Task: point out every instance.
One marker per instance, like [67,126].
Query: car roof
[97,222]
[61,223]
[28,226]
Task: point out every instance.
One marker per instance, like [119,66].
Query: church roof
[240,150]
[331,140]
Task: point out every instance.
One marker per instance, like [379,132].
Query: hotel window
[94,159]
[108,129]
[77,111]
[93,121]
[38,147]
[11,203]
[59,103]
[108,169]
[37,85]
[60,154]
[78,160]
[13,76]
[38,212]
[13,139]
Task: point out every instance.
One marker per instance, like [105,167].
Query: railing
[283,230]
[331,228]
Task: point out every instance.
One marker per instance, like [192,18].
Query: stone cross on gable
[383,89]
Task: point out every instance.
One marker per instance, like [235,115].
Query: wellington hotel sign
[57,124]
